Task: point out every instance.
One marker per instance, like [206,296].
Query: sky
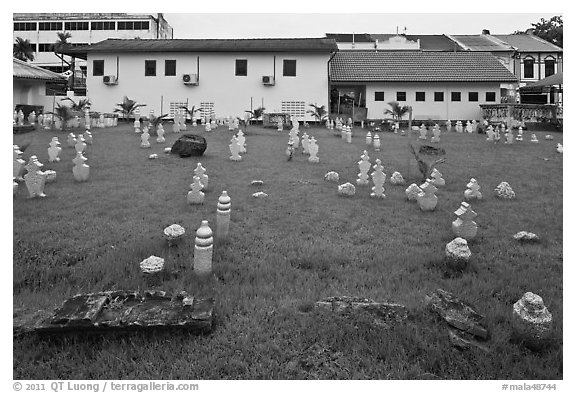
[280,25]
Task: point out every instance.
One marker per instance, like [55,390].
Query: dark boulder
[189,145]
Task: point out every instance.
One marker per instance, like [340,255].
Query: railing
[522,112]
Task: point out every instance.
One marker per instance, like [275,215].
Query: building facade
[528,57]
[30,85]
[535,58]
[437,85]
[222,77]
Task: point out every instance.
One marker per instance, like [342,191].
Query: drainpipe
[332,54]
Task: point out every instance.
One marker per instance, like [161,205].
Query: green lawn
[300,244]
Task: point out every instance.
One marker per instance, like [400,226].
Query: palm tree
[79,107]
[256,113]
[397,111]
[154,121]
[64,113]
[22,50]
[319,112]
[127,106]
[62,43]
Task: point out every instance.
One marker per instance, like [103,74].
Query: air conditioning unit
[268,80]
[110,80]
[190,79]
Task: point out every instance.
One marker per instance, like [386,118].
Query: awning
[543,85]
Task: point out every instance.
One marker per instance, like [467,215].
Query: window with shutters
[490,96]
[170,67]
[529,67]
[108,25]
[241,67]
[75,25]
[46,26]
[149,67]
[97,67]
[289,68]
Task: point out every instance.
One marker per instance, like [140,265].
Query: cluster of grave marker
[36,178]
[464,227]
[531,319]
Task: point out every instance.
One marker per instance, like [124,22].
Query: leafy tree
[396,110]
[127,106]
[22,50]
[319,112]
[550,30]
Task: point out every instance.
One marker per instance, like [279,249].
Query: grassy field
[300,244]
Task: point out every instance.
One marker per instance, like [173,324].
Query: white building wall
[429,109]
[32,92]
[218,84]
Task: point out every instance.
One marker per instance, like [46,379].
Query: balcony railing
[522,112]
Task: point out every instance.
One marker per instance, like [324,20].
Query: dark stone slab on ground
[383,313]
[457,313]
[119,311]
[189,145]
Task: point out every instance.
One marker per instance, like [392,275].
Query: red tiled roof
[528,43]
[417,66]
[208,45]
[23,70]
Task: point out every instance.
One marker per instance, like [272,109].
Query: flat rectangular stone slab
[122,310]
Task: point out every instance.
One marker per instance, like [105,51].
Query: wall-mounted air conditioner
[190,79]
[110,80]
[268,80]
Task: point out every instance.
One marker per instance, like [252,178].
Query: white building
[224,77]
[85,28]
[30,85]
[526,55]
[437,85]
